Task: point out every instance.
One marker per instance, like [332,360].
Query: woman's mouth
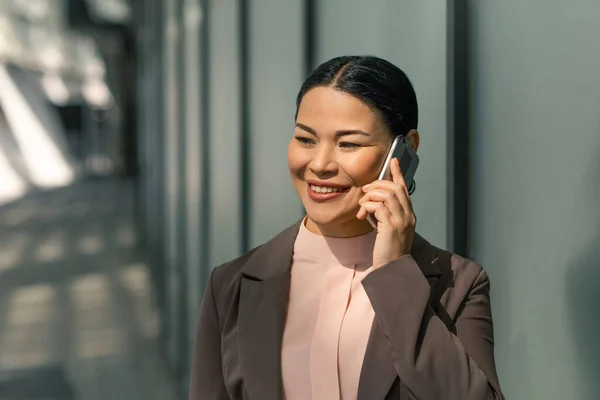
[325,189]
[325,193]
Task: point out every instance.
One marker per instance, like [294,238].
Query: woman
[331,308]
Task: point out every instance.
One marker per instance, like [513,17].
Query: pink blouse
[329,317]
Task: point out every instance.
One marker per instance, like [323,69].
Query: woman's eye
[349,145]
[304,140]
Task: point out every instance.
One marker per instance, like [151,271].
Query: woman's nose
[323,163]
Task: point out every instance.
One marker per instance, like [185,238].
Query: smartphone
[409,161]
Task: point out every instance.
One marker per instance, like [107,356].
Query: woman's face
[339,146]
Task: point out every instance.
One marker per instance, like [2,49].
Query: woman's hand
[390,203]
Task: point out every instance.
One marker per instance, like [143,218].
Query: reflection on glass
[56,89]
[12,186]
[10,46]
[34,10]
[117,11]
[47,166]
[97,94]
[34,36]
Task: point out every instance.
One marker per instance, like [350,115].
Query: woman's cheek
[296,159]
[364,168]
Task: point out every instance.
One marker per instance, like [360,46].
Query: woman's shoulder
[459,269]
[458,278]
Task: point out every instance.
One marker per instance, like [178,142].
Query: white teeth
[323,189]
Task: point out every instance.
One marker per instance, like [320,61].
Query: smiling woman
[331,308]
[339,142]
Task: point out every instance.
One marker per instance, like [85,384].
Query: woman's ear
[412,137]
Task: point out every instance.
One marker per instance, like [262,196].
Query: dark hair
[377,82]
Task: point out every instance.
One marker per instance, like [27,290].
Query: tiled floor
[75,296]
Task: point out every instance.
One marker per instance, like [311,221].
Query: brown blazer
[431,338]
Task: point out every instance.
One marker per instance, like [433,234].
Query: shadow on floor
[75,298]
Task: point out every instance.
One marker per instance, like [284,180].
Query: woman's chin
[325,219]
[323,222]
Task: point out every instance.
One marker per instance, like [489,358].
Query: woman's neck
[342,229]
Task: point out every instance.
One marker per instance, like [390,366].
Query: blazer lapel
[262,311]
[378,373]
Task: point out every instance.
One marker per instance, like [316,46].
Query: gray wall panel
[193,218]
[225,131]
[276,74]
[535,223]
[172,171]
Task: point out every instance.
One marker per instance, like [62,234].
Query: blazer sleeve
[206,379]
[431,361]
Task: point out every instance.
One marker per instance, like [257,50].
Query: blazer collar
[274,257]
[264,295]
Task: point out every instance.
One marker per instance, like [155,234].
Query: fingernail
[366,187]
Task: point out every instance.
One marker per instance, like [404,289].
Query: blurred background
[143,143]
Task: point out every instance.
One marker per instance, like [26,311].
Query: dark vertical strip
[205,184]
[158,136]
[310,36]
[245,172]
[458,125]
[181,256]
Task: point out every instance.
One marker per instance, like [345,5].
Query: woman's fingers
[399,190]
[389,198]
[378,209]
[393,195]
[362,213]
[397,176]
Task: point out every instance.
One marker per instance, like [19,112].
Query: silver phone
[409,161]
